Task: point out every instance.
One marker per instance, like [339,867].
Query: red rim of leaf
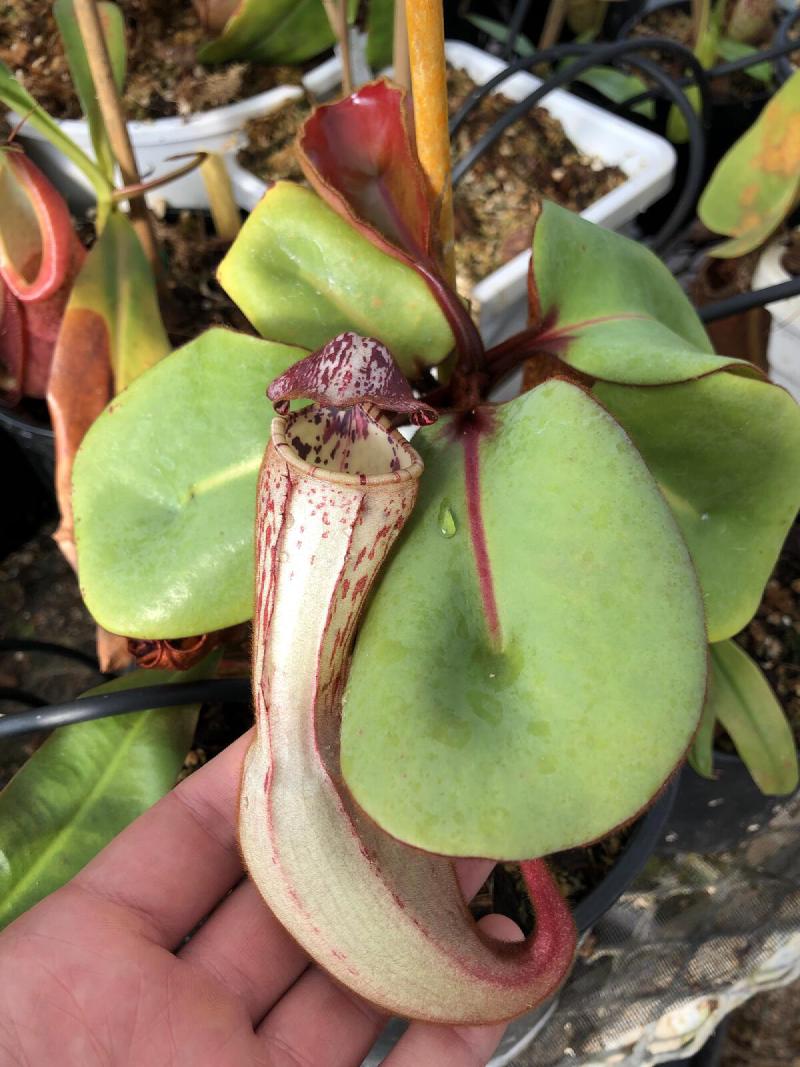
[350,370]
[55,230]
[358,156]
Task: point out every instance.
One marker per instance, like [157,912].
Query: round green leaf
[611,308]
[164,489]
[302,275]
[566,720]
[726,452]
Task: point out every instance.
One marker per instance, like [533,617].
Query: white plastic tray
[218,130]
[501,299]
[783,351]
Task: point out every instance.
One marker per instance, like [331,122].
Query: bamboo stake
[114,118]
[553,23]
[224,209]
[429,84]
[336,10]
[400,62]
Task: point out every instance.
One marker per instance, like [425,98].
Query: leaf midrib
[33,871]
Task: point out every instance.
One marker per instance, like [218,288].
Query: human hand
[100,973]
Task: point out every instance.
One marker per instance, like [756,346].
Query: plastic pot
[716,815]
[501,299]
[35,439]
[783,350]
[219,130]
[28,502]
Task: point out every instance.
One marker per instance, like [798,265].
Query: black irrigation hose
[515,25]
[22,644]
[695,171]
[143,698]
[732,305]
[547,55]
[783,67]
[733,66]
[598,56]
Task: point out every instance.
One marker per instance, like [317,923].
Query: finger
[430,1044]
[170,867]
[345,1026]
[472,874]
[246,949]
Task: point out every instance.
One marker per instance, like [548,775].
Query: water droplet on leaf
[447,524]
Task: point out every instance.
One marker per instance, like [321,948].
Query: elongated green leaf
[731,50]
[502,701]
[164,489]
[114,32]
[273,31]
[84,785]
[618,87]
[757,182]
[380,33]
[744,704]
[701,754]
[498,31]
[705,51]
[302,275]
[110,333]
[723,444]
[15,96]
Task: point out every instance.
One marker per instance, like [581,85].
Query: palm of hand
[91,978]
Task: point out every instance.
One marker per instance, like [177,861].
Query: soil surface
[765,1032]
[194,299]
[164,78]
[493,201]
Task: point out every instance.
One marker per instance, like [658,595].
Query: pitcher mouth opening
[348,446]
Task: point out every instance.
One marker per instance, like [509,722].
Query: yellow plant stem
[429,85]
[400,64]
[94,41]
[336,10]
[224,209]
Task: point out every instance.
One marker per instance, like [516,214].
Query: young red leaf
[357,154]
[40,255]
[350,370]
[359,157]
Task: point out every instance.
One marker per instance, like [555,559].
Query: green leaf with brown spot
[757,182]
[110,333]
